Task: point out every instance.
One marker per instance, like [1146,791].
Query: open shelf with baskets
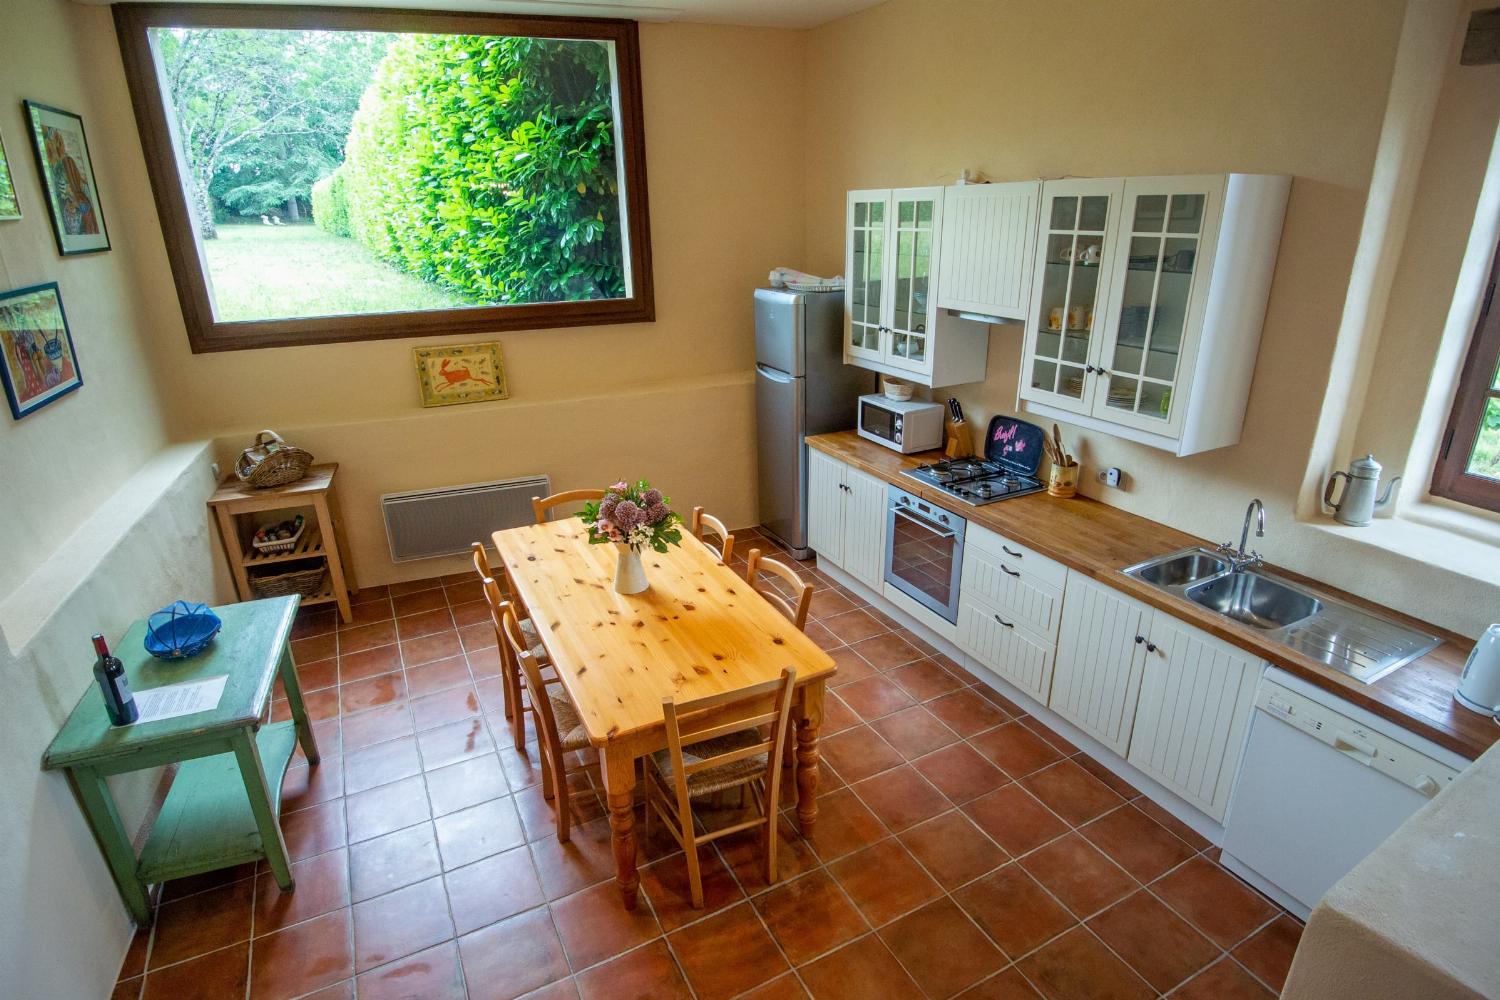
[312,562]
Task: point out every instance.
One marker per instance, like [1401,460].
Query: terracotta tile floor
[962,849]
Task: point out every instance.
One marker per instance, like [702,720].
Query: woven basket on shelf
[270,461]
[307,582]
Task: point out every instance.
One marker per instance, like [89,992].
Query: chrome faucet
[1240,559]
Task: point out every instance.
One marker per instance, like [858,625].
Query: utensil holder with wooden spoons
[1062,480]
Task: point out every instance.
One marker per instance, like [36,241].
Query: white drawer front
[1016,556]
[1027,600]
[1014,653]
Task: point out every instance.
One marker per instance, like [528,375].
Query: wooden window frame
[206,334]
[1476,387]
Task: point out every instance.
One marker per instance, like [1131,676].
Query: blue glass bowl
[180,630]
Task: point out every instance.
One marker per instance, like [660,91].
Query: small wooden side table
[225,801]
[235,503]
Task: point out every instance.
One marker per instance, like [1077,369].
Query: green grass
[281,272]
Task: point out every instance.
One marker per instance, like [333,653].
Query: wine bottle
[110,673]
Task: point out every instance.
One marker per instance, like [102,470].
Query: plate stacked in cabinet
[1010,606]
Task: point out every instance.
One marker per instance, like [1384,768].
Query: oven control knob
[898,423]
[943,518]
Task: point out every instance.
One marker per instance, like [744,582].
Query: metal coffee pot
[1361,497]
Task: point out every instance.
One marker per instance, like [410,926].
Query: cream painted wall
[1095,88]
[671,400]
[61,461]
[103,520]
[1453,171]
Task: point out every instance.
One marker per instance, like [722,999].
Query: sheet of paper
[175,700]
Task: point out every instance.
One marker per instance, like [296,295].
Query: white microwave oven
[906,426]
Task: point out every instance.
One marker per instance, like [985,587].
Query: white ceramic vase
[630,575]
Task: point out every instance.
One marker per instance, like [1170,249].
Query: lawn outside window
[329,174]
[1468,465]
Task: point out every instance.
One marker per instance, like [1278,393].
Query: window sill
[1449,540]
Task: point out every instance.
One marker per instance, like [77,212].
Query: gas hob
[975,481]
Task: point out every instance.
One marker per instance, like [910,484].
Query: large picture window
[1468,466]
[334,174]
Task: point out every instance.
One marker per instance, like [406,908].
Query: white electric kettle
[1479,687]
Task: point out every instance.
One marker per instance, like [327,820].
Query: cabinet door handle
[1008,552]
[1150,646]
[1007,570]
[1002,621]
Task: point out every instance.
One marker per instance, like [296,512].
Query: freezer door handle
[1358,749]
[774,374]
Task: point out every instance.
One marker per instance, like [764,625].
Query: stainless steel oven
[924,550]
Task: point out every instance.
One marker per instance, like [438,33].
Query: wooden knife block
[958,445]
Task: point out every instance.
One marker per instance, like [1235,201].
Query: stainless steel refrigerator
[802,387]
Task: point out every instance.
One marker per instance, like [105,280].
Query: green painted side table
[225,799]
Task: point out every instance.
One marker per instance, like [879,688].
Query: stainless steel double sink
[1360,643]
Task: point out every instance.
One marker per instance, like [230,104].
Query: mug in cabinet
[1055,318]
[1078,317]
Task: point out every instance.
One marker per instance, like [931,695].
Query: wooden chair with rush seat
[796,608]
[702,523]
[723,741]
[559,730]
[515,706]
[542,506]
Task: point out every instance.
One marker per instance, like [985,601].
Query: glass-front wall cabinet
[1116,302]
[890,272]
[1161,243]
[1068,300]
[865,269]
[912,242]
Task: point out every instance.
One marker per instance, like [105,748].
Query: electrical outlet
[214,468]
[1111,477]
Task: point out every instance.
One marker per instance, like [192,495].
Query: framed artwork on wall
[10,208]
[37,361]
[62,158]
[464,373]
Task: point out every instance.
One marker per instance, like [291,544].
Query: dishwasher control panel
[1391,757]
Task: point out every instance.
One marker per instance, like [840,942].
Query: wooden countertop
[1099,540]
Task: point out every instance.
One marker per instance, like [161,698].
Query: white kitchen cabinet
[1097,675]
[1010,604]
[825,506]
[864,527]
[846,517]
[1006,647]
[892,321]
[1197,693]
[989,248]
[1147,304]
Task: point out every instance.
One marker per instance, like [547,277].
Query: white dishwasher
[1322,782]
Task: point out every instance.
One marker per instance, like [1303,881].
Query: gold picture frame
[460,373]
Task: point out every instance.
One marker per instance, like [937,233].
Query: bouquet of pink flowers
[636,516]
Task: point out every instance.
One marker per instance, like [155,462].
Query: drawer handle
[1007,570]
[1002,621]
[1013,555]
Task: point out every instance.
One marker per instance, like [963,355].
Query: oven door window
[923,559]
[878,421]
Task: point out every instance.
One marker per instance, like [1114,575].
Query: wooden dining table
[697,630]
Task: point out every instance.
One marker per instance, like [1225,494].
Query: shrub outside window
[327,174]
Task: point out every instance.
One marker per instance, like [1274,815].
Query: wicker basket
[307,582]
[270,461]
